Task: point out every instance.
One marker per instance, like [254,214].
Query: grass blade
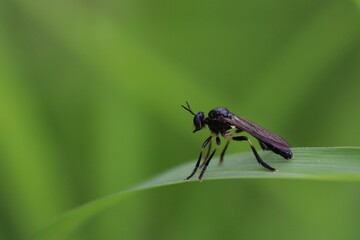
[326,164]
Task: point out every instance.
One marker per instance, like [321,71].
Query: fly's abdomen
[286,153]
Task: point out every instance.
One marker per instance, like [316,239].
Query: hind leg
[258,158]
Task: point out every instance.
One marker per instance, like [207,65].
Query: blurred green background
[90,95]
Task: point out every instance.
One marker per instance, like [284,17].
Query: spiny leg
[207,155]
[218,142]
[258,158]
[200,156]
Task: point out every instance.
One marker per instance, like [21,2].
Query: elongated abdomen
[286,153]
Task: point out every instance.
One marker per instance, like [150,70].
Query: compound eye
[199,121]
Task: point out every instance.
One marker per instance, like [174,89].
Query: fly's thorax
[217,127]
[220,111]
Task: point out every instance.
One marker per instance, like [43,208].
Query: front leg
[200,156]
[218,142]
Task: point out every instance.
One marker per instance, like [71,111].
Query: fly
[227,124]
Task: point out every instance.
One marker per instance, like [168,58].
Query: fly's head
[199,121]
[199,118]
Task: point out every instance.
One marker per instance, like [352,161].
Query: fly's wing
[258,132]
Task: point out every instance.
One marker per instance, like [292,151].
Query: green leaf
[326,164]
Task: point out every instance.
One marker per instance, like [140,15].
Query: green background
[90,95]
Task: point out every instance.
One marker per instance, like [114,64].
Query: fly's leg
[258,158]
[263,146]
[228,136]
[207,155]
[200,156]
[223,152]
[218,142]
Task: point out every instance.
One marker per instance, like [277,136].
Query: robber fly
[227,124]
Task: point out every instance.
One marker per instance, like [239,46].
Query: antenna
[188,108]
